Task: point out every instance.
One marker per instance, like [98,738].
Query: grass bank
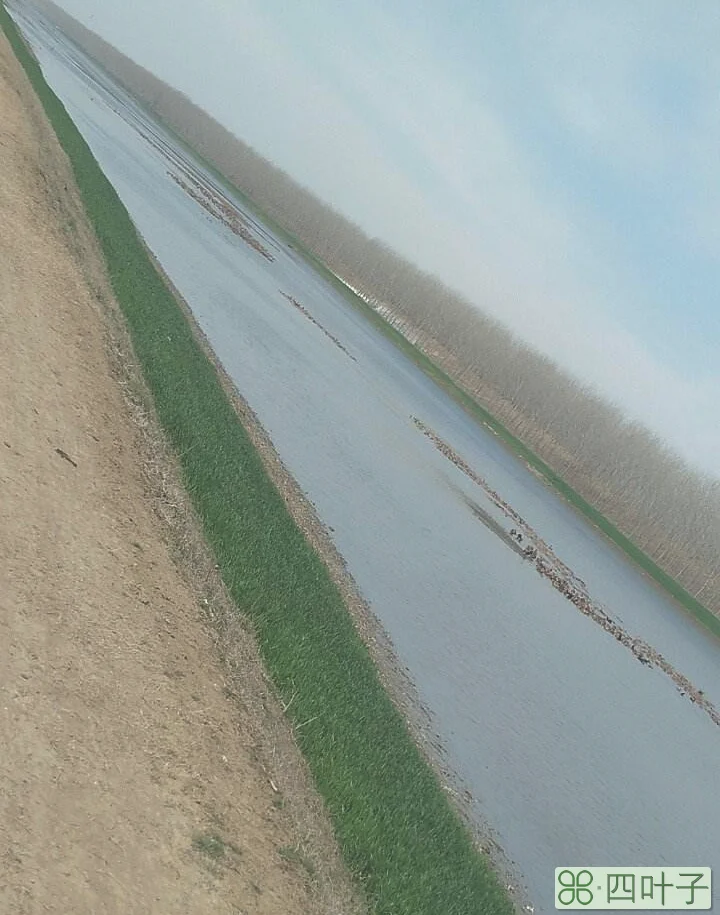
[394,824]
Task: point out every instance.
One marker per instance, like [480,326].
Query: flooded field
[575,703]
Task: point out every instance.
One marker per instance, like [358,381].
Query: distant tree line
[639,483]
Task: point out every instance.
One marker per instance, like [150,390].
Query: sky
[558,163]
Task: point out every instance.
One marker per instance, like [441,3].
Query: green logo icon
[575,887]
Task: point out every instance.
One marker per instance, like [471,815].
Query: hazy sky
[557,162]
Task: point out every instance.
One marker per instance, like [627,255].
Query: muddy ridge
[564,580]
[221,209]
[304,311]
[193,182]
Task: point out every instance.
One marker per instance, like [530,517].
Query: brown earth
[145,764]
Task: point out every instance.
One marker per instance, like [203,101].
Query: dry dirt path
[133,778]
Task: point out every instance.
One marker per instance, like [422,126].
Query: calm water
[573,751]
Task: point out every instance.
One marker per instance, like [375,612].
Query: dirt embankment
[139,771]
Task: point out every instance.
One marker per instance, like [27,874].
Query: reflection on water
[573,751]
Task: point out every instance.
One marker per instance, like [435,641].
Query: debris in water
[221,209]
[304,311]
[551,567]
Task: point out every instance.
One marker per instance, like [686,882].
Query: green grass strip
[394,824]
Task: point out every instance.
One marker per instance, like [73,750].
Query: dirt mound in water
[303,311]
[561,577]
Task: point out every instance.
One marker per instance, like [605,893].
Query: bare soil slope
[138,773]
